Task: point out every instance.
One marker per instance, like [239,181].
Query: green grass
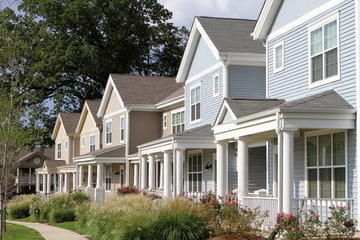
[72,226]
[17,232]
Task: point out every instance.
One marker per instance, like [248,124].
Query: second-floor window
[178,122]
[122,129]
[164,121]
[278,52]
[58,156]
[324,50]
[195,103]
[108,132]
[92,143]
[216,85]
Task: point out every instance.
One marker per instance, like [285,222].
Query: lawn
[17,232]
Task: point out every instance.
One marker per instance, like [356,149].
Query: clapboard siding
[247,81]
[210,104]
[293,82]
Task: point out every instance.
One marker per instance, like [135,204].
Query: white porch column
[151,172]
[99,190]
[288,170]
[136,175]
[167,174]
[66,182]
[89,188]
[44,183]
[143,170]
[81,176]
[242,168]
[60,182]
[161,184]
[74,181]
[179,171]
[48,184]
[221,165]
[37,184]
[17,179]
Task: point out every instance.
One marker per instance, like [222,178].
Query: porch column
[48,184]
[60,182]
[167,174]
[17,179]
[66,182]
[74,181]
[242,168]
[179,171]
[161,185]
[143,169]
[151,172]
[288,170]
[37,186]
[81,176]
[44,183]
[136,175]
[221,165]
[99,191]
[89,183]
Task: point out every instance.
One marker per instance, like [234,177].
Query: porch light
[208,166]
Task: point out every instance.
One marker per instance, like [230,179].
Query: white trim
[92,135]
[312,14]
[282,67]
[198,85]
[122,128]
[57,150]
[165,120]
[112,114]
[316,25]
[204,72]
[175,112]
[216,81]
[105,132]
[357,152]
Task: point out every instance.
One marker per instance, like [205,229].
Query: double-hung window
[178,122]
[324,50]
[195,172]
[326,165]
[195,103]
[278,51]
[108,132]
[58,151]
[216,85]
[92,143]
[122,129]
[164,121]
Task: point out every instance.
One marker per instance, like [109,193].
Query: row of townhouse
[272,115]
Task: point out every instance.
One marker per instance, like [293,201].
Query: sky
[184,11]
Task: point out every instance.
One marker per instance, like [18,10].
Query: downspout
[280,163]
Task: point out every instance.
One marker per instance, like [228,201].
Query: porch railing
[268,204]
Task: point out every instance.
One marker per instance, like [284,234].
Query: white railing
[268,204]
[322,206]
[195,196]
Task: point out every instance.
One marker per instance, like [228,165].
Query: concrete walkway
[50,232]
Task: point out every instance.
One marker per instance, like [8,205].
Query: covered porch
[307,159]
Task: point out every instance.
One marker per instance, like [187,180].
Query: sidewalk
[50,232]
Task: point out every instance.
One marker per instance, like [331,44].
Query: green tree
[67,48]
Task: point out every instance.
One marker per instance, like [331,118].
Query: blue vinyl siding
[232,171]
[210,104]
[293,82]
[203,58]
[247,81]
[292,9]
[352,186]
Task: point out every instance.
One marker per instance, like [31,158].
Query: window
[66,145]
[324,50]
[278,52]
[195,172]
[178,122]
[325,165]
[108,175]
[108,132]
[59,151]
[216,85]
[82,141]
[122,129]
[164,121]
[195,103]
[92,143]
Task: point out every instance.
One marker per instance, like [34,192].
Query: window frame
[108,134]
[332,166]
[58,151]
[277,69]
[108,177]
[316,26]
[197,104]
[199,185]
[92,147]
[164,121]
[122,129]
[182,125]
[216,85]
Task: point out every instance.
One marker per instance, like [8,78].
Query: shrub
[79,198]
[19,206]
[62,215]
[339,224]
[127,190]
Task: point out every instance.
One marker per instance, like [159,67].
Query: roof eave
[243,58]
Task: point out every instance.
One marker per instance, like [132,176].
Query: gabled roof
[90,107]
[228,39]
[175,98]
[244,107]
[53,164]
[144,91]
[68,120]
[266,18]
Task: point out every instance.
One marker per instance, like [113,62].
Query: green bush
[62,215]
[79,198]
[19,206]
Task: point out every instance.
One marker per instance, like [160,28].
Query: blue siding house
[308,118]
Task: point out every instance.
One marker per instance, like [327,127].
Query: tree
[69,47]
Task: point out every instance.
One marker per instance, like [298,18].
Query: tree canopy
[64,50]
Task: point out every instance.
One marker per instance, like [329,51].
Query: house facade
[310,131]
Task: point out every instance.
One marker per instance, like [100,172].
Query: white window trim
[164,120]
[66,145]
[105,132]
[174,112]
[216,78]
[92,135]
[57,151]
[122,118]
[282,45]
[197,120]
[324,132]
[193,152]
[320,23]
[105,177]
[83,141]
